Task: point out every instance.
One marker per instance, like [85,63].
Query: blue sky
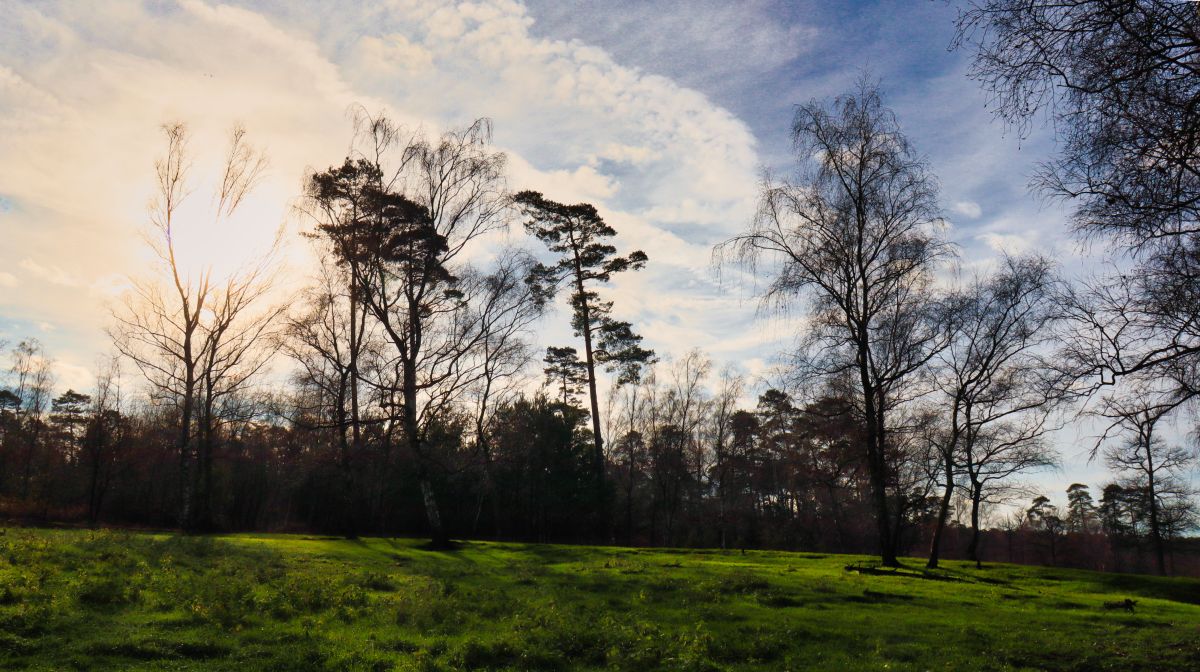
[660,113]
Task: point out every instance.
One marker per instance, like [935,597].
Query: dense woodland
[915,403]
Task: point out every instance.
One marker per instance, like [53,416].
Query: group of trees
[912,405]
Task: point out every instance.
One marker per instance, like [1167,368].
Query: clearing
[88,600]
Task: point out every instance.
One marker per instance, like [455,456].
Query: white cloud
[968,209]
[1009,243]
[72,376]
[83,88]
[8,279]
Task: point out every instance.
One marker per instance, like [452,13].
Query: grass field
[104,600]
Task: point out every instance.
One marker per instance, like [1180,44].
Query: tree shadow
[904,571]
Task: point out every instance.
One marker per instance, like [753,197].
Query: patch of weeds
[429,606]
[751,645]
[476,655]
[625,564]
[9,596]
[778,600]
[875,597]
[1017,596]
[132,650]
[106,589]
[528,573]
[422,661]
[401,646]
[32,618]
[14,644]
[825,586]
[311,594]
[377,581]
[200,650]
[742,582]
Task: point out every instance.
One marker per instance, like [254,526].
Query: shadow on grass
[1158,587]
[903,571]
[876,597]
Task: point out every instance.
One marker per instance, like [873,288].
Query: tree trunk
[184,446]
[593,397]
[349,452]
[93,489]
[203,518]
[943,513]
[437,531]
[973,547]
[876,460]
[877,464]
[438,535]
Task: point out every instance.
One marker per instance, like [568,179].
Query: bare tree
[1148,464]
[505,313]
[631,405]
[858,237]
[32,387]
[106,434]
[196,339]
[996,384]
[720,430]
[1128,130]
[333,343]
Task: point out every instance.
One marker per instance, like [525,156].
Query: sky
[662,114]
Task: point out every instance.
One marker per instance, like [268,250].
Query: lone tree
[578,235]
[857,236]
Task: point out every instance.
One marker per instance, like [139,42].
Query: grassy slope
[84,600]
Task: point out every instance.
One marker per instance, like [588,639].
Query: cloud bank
[85,86]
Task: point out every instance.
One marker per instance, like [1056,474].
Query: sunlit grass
[107,600]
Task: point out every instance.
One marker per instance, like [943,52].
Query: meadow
[104,600]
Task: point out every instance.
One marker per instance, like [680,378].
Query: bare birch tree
[858,238]
[998,388]
[195,337]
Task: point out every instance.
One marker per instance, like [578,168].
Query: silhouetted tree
[996,384]
[543,467]
[442,195]
[332,339]
[1128,163]
[1044,517]
[505,310]
[1151,466]
[565,372]
[197,340]
[105,438]
[32,386]
[579,236]
[857,236]
[1081,509]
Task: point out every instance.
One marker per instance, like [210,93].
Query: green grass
[105,600]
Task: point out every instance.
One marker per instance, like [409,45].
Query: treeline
[913,405]
[687,467]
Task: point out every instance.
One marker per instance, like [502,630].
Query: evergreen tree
[579,236]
